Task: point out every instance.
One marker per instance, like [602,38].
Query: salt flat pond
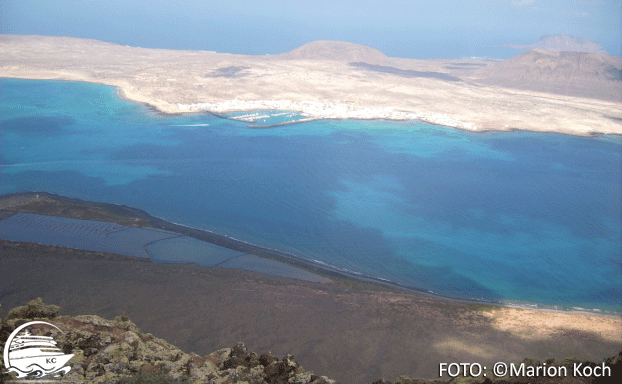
[516,217]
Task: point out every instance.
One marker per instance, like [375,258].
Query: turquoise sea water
[518,217]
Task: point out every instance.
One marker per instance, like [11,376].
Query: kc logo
[34,356]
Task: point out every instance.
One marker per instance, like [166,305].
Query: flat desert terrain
[351,332]
[567,92]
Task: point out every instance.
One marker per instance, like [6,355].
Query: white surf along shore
[537,91]
[314,110]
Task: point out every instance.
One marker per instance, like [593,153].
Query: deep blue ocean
[518,217]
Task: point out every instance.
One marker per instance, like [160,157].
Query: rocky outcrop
[116,351]
[34,309]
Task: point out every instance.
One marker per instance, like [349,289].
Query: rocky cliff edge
[116,351]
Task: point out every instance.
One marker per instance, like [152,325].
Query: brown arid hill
[568,43]
[335,50]
[578,74]
[563,43]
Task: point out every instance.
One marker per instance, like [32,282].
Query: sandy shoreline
[329,111]
[219,109]
[372,330]
[311,265]
[368,114]
[312,110]
[356,328]
[442,92]
[318,111]
[371,333]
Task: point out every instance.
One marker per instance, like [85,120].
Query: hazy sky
[416,29]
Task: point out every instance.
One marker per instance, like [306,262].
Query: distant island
[576,93]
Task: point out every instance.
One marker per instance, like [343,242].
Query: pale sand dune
[540,325]
[328,85]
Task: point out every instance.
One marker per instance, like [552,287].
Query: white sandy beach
[444,92]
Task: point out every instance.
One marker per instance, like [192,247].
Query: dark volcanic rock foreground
[116,351]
